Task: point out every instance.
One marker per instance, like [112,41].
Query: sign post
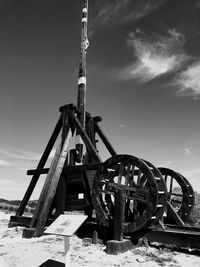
[66,225]
[67,251]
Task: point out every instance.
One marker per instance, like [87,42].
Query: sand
[18,252]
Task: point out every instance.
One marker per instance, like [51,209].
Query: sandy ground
[18,252]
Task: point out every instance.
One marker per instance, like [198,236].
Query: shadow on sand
[52,263]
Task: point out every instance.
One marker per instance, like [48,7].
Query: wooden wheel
[191,198]
[140,191]
[178,193]
[162,192]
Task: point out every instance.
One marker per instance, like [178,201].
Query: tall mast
[81,96]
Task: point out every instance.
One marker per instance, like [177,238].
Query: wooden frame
[53,195]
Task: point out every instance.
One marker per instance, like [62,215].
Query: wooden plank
[41,164]
[104,139]
[55,174]
[45,188]
[179,238]
[85,137]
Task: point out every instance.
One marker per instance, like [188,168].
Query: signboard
[66,225]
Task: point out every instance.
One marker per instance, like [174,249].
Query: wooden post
[67,251]
[81,97]
[118,215]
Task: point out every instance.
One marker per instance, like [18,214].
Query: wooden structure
[125,195]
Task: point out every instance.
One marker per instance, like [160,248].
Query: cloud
[187,151]
[110,13]
[14,153]
[189,80]
[155,55]
[6,182]
[4,162]
[166,164]
[192,173]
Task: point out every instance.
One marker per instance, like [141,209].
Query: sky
[143,79]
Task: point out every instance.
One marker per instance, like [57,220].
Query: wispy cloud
[166,164]
[187,151]
[14,153]
[4,162]
[155,55]
[189,80]
[191,173]
[109,13]
[6,182]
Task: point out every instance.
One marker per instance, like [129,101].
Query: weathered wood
[20,220]
[89,128]
[85,137]
[61,196]
[81,96]
[104,139]
[87,187]
[174,214]
[45,188]
[118,215]
[41,164]
[178,237]
[55,174]
[183,228]
[76,168]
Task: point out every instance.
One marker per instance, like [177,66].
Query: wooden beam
[54,175]
[60,196]
[178,237]
[45,188]
[174,215]
[104,139]
[84,167]
[41,164]
[85,137]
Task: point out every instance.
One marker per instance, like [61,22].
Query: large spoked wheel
[162,193]
[140,192]
[178,193]
[191,196]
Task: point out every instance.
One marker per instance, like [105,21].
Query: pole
[81,97]
[118,215]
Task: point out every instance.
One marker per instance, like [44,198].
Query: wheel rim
[191,197]
[162,193]
[178,192]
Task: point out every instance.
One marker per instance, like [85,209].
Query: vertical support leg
[118,215]
[118,244]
